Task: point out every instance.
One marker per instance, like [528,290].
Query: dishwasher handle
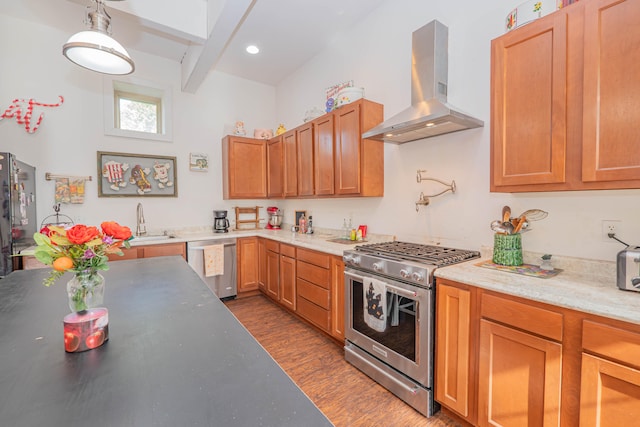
[201,248]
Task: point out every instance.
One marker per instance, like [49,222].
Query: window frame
[137,90]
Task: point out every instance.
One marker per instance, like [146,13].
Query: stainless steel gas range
[390,315]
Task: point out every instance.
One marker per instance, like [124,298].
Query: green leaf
[53,276]
[60,240]
[94,242]
[41,239]
[43,256]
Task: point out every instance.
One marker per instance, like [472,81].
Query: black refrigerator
[18,222]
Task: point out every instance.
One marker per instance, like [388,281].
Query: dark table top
[176,356]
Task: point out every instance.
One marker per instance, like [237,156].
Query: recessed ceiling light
[252,49]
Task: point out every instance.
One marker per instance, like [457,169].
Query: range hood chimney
[429,114]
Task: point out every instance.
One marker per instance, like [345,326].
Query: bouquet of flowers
[79,249]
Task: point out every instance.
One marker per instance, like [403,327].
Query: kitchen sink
[344,241]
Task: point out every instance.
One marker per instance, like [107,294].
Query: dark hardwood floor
[316,364]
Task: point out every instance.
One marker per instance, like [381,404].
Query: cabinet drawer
[30,262]
[316,315]
[315,258]
[611,342]
[272,246]
[151,251]
[312,273]
[313,293]
[537,320]
[127,253]
[288,250]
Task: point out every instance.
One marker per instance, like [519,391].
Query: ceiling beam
[199,60]
[186,19]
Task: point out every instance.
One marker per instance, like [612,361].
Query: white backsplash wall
[69,137]
[376,55]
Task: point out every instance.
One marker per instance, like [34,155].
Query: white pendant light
[94,49]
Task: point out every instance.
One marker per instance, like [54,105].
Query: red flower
[115,230]
[46,231]
[80,234]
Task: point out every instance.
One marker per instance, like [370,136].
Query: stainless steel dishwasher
[224,285]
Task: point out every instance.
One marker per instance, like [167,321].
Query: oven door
[405,341]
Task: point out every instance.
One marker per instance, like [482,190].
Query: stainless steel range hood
[429,113]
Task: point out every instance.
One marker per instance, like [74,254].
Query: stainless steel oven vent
[429,114]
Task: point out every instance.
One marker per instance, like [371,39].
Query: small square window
[138,112]
[137,109]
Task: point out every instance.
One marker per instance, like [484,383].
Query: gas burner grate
[436,255]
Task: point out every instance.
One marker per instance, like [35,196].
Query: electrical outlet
[610,226]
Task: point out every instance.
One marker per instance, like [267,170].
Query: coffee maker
[220,222]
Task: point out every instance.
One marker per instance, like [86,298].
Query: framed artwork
[299,215]
[198,162]
[136,175]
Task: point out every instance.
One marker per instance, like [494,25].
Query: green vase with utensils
[507,249]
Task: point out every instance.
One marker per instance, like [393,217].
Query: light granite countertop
[322,240]
[584,285]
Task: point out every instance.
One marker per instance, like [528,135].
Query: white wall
[32,66]
[377,56]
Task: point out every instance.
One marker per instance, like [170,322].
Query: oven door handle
[402,292]
[393,289]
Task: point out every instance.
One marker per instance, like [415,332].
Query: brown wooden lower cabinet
[167,249]
[273,274]
[610,393]
[508,361]
[288,276]
[610,390]
[519,378]
[453,352]
[309,283]
[262,265]
[337,298]
[150,251]
[247,251]
[314,287]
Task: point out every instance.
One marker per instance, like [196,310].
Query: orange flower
[115,230]
[80,234]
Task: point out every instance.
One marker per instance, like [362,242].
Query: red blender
[275,218]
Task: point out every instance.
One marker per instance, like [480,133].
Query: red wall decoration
[17,110]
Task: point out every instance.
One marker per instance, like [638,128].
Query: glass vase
[85,291]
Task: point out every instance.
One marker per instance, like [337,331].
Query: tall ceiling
[213,34]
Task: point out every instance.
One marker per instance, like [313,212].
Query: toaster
[628,269]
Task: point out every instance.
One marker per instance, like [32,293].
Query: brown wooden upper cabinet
[326,157]
[244,168]
[290,163]
[275,167]
[359,163]
[564,104]
[323,146]
[306,174]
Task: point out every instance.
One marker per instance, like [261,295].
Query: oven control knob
[404,274]
[351,259]
[377,266]
[417,277]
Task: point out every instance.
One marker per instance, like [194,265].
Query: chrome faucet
[141,229]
